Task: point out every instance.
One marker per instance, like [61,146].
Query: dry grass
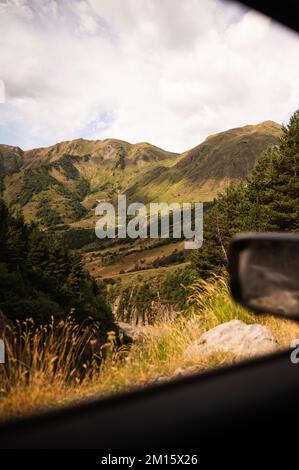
[42,370]
[41,364]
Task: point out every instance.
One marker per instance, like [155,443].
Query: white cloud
[169,72]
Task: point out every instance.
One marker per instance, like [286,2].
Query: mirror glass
[268,275]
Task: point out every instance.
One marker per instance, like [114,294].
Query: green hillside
[61,184]
[59,187]
[210,167]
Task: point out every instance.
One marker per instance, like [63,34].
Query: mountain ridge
[224,157]
[60,184]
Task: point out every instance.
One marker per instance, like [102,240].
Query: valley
[115,314]
[58,188]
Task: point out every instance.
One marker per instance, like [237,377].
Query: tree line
[40,277]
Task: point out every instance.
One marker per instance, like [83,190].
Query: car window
[136,139]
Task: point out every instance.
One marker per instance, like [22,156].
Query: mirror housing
[264,272]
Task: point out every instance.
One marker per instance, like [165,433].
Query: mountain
[208,168]
[62,183]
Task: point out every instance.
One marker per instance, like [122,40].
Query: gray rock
[179,372]
[234,337]
[133,332]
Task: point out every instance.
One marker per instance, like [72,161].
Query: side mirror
[264,272]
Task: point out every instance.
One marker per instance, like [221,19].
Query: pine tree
[274,186]
[58,264]
[38,254]
[16,239]
[227,216]
[77,274]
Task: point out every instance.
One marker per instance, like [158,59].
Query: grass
[126,261]
[41,372]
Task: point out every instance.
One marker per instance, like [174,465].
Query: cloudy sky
[169,72]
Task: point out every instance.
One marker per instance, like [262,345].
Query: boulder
[234,337]
[132,332]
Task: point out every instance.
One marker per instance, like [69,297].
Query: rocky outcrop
[234,337]
[134,333]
